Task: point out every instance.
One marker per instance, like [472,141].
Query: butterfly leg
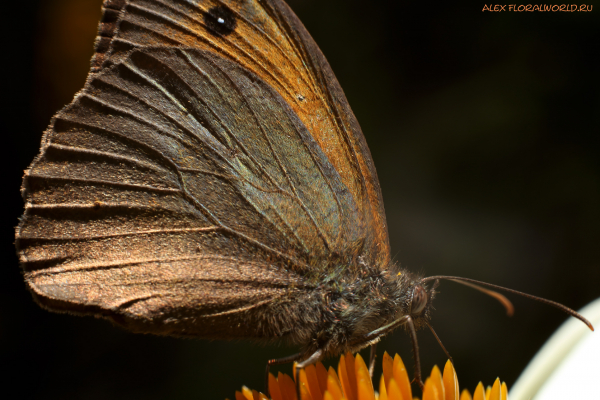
[413,337]
[372,359]
[278,361]
[406,319]
[316,356]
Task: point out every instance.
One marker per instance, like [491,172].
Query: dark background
[484,130]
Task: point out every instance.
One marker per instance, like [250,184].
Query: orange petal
[328,396]
[351,370]
[258,395]
[247,393]
[359,363]
[287,386]
[363,380]
[349,390]
[495,391]
[401,378]
[331,372]
[310,372]
[479,392]
[382,390]
[394,392]
[430,391]
[343,375]
[333,385]
[465,395]
[504,391]
[450,382]
[365,388]
[388,367]
[239,396]
[304,387]
[304,392]
[362,372]
[274,388]
[321,375]
[436,379]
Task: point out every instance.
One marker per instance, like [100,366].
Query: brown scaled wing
[201,177]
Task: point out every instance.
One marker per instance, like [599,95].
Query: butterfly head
[414,298]
[401,299]
[418,300]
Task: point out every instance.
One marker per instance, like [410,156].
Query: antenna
[507,304]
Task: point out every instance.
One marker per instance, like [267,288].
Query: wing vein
[218,49]
[276,157]
[108,183]
[123,234]
[113,156]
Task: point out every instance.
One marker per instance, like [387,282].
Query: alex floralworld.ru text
[538,7]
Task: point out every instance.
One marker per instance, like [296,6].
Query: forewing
[178,188]
[266,38]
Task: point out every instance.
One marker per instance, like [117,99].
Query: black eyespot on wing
[220,20]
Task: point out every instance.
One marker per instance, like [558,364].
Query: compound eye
[419,300]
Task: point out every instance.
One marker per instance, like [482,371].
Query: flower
[352,382]
[570,355]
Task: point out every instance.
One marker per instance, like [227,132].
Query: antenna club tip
[585,321]
[510,309]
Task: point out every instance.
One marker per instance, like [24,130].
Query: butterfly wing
[182,192]
[266,38]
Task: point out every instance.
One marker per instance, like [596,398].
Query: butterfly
[210,180]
